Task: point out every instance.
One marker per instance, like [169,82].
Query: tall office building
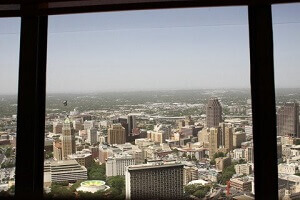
[57,150]
[68,139]
[214,141]
[131,123]
[57,127]
[213,113]
[288,120]
[162,181]
[190,173]
[92,136]
[116,134]
[226,136]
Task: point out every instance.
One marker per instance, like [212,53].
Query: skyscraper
[213,113]
[92,136]
[288,120]
[116,134]
[164,181]
[68,139]
[226,136]
[214,141]
[131,123]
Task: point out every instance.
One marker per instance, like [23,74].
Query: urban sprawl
[160,148]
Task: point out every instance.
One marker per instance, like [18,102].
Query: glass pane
[149,104]
[286,28]
[9,62]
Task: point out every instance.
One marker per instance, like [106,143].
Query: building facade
[68,139]
[213,113]
[162,181]
[116,134]
[288,120]
[116,165]
[92,136]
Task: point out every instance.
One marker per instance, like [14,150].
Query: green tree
[197,190]
[9,152]
[200,193]
[216,155]
[96,172]
[61,192]
[49,155]
[226,174]
[75,185]
[117,182]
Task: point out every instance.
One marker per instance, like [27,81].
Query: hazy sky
[154,49]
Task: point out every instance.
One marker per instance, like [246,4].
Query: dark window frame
[32,81]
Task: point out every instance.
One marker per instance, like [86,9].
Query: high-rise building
[103,153]
[288,120]
[213,113]
[116,165]
[214,141]
[238,139]
[226,136]
[116,134]
[131,123]
[57,127]
[92,136]
[190,173]
[84,159]
[160,181]
[249,154]
[68,139]
[57,150]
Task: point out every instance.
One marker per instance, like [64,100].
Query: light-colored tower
[116,134]
[288,120]
[57,150]
[68,139]
[213,113]
[214,141]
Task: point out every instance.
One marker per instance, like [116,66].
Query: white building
[292,168]
[241,169]
[88,124]
[64,170]
[238,154]
[116,165]
[248,130]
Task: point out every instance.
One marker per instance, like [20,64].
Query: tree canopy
[96,172]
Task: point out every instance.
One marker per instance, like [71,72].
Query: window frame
[32,81]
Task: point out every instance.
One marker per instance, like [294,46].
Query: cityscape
[180,144]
